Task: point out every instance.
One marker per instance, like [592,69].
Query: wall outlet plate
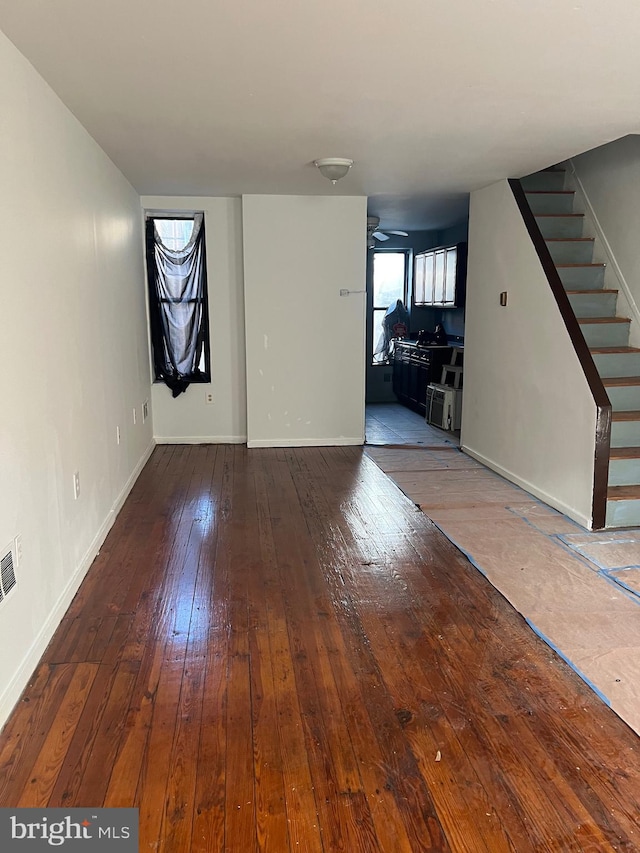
[145,410]
[17,549]
[76,485]
[117,435]
[208,398]
[135,416]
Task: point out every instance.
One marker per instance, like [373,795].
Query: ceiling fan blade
[398,233]
[380,236]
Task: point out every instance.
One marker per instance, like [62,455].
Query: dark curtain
[177,307]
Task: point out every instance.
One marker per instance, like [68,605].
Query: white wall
[528,412]
[73,354]
[189,418]
[608,183]
[305,343]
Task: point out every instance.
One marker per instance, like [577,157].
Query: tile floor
[579,591]
[391,423]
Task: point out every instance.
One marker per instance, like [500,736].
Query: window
[389,285]
[178,312]
[439,276]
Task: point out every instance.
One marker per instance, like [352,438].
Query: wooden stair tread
[614,350]
[624,453]
[570,266]
[569,240]
[549,192]
[603,320]
[620,381]
[586,290]
[626,416]
[563,215]
[623,493]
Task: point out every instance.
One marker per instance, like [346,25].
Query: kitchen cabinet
[414,367]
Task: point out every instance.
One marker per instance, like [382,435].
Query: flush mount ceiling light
[333,168]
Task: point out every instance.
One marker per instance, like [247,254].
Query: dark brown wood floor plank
[240,818]
[270,803]
[345,814]
[44,772]
[300,802]
[208,829]
[183,761]
[151,719]
[96,738]
[170,633]
[386,817]
[26,730]
[79,751]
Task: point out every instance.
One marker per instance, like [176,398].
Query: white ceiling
[431,98]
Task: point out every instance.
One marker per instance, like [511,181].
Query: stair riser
[625,398]
[543,181]
[623,514]
[571,253]
[606,334]
[560,226]
[551,202]
[617,364]
[625,434]
[624,472]
[593,304]
[582,278]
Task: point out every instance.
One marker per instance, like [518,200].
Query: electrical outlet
[117,435]
[76,485]
[17,549]
[134,416]
[208,398]
[145,410]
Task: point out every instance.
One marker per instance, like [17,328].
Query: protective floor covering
[579,591]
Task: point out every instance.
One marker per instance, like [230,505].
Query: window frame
[408,253]
[202,377]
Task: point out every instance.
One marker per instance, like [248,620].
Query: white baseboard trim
[200,439]
[570,512]
[306,442]
[13,690]
[611,258]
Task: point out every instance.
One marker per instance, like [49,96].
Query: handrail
[600,397]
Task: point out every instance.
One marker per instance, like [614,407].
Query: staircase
[606,334]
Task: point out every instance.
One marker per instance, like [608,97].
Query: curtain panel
[178,307]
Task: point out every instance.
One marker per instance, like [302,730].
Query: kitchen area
[415,371]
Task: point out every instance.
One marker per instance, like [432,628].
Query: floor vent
[7,574]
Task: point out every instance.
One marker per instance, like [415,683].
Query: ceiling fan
[374,233]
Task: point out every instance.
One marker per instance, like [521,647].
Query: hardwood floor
[275,650]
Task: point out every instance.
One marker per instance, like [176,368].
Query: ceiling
[431,98]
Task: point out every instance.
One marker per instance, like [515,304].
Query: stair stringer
[582,351]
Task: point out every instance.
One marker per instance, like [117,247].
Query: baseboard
[200,439]
[13,691]
[306,442]
[611,258]
[570,512]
